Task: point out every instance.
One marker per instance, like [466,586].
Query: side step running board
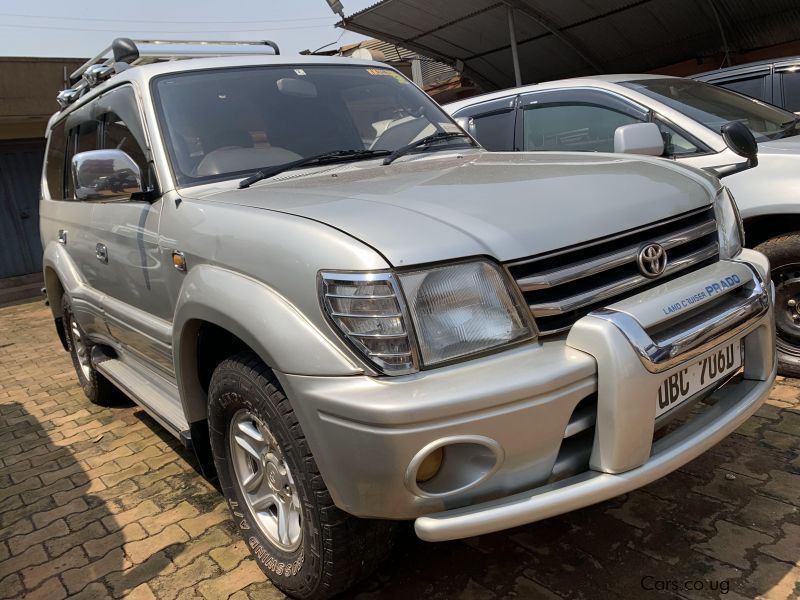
[154,396]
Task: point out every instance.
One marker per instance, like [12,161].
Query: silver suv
[355,315]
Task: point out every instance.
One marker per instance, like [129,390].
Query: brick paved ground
[98,502]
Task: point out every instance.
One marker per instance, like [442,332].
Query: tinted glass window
[122,128]
[714,106]
[69,189]
[572,127]
[230,122]
[752,86]
[117,136]
[88,136]
[791,91]
[495,132]
[82,138]
[676,144]
[54,168]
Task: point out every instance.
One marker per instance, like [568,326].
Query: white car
[679,119]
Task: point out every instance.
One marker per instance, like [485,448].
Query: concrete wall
[28,88]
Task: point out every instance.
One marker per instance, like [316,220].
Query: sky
[82,28]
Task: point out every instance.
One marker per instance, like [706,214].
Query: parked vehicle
[626,113]
[355,315]
[773,81]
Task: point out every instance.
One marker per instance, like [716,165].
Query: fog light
[431,465]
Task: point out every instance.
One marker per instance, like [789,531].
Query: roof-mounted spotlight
[65,97]
[97,73]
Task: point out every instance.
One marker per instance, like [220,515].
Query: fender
[259,316]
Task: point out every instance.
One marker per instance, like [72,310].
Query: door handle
[62,237]
[101,252]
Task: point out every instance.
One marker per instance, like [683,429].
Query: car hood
[790,145]
[506,205]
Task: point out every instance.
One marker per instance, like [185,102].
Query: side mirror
[639,138]
[105,175]
[740,139]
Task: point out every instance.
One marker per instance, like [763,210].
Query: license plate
[697,376]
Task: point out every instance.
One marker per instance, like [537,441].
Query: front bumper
[509,417]
[732,409]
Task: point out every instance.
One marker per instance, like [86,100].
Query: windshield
[714,106]
[225,123]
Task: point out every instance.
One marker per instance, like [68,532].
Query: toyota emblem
[652,260]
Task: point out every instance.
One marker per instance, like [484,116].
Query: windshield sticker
[710,290]
[388,72]
[299,72]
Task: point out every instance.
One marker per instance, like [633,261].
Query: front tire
[308,547]
[784,257]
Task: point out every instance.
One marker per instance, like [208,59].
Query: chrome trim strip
[372,336]
[611,260]
[366,315]
[360,297]
[663,353]
[618,287]
[611,238]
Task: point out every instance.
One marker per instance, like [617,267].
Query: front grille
[563,286]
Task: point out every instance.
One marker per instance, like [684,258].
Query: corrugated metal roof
[575,37]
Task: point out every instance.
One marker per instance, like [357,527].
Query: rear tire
[266,470]
[97,388]
[784,257]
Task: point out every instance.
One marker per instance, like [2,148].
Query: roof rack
[124,53]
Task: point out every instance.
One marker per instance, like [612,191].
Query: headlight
[729,224]
[458,310]
[463,309]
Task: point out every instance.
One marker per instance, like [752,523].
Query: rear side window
[755,87]
[54,165]
[791,91]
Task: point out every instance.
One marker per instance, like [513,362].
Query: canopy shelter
[504,43]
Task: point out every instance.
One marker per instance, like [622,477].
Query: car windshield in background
[225,123]
[714,106]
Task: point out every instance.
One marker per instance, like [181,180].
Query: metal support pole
[416,71]
[513,39]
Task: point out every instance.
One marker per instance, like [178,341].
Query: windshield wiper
[317,159]
[426,141]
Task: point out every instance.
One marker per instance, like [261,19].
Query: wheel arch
[220,311]
[760,228]
[56,282]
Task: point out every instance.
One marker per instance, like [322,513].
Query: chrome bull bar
[669,347]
